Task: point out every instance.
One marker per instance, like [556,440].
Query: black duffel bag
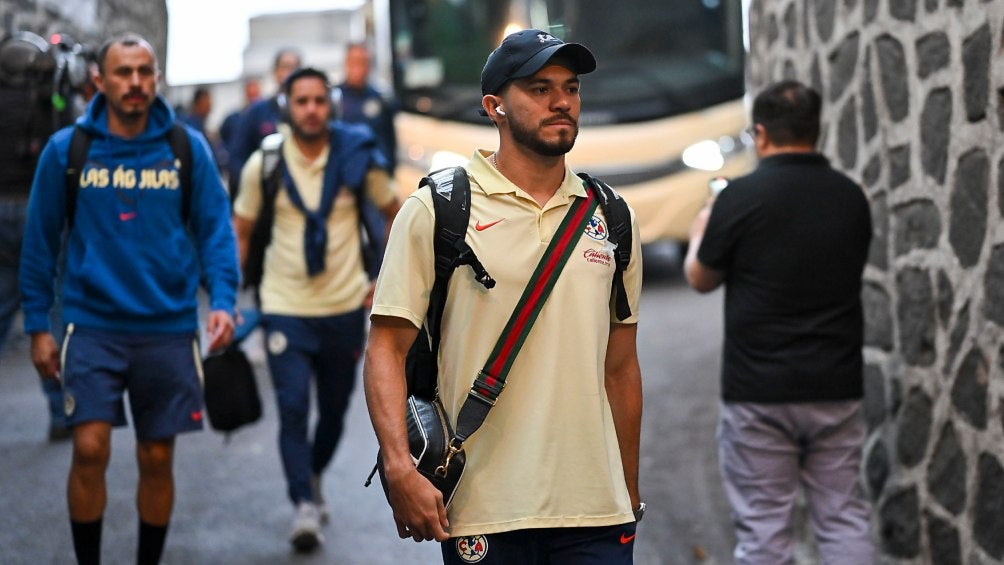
[230,390]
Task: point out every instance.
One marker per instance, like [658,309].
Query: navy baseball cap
[523,53]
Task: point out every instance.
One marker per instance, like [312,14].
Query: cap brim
[581,58]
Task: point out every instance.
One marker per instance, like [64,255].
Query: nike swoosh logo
[126,216]
[481,227]
[625,539]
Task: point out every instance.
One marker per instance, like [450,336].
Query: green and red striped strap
[491,379]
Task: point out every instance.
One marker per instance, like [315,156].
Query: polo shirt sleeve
[248,201]
[379,188]
[408,268]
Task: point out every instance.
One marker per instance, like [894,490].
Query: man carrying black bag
[552,474]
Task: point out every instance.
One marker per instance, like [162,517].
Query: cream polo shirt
[547,455]
[286,288]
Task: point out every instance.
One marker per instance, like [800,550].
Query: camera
[56,69]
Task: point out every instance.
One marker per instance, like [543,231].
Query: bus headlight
[704,155]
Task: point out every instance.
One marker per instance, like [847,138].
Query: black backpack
[80,144]
[451,199]
[230,390]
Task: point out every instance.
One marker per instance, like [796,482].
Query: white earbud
[499,110]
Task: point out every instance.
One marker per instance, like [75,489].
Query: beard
[310,133]
[528,137]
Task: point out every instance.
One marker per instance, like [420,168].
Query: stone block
[976,50]
[873,402]
[899,523]
[844,65]
[934,53]
[936,133]
[970,391]
[877,308]
[917,226]
[946,298]
[915,316]
[905,10]
[892,69]
[988,507]
[878,253]
[913,430]
[946,472]
[968,206]
[993,286]
[876,468]
[943,538]
[847,135]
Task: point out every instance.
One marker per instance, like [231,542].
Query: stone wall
[914,110]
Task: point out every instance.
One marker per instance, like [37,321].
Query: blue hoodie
[131,264]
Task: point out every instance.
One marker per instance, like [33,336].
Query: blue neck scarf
[315,234]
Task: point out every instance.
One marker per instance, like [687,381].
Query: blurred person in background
[261,118]
[228,129]
[789,241]
[362,103]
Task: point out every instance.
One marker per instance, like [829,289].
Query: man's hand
[700,221]
[418,507]
[45,355]
[219,329]
[368,301]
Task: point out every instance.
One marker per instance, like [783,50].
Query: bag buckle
[456,446]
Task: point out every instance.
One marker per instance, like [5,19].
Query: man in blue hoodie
[133,264]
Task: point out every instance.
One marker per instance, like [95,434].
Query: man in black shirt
[789,241]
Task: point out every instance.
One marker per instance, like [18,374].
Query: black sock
[151,543]
[87,541]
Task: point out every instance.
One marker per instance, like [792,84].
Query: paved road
[230,504]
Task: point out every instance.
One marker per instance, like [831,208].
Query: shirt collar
[291,152]
[493,182]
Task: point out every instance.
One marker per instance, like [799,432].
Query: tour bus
[662,114]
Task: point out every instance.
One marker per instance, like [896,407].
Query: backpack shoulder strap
[80,144]
[261,233]
[451,200]
[271,157]
[618,217]
[181,147]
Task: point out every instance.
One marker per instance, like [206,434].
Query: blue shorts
[162,373]
[603,545]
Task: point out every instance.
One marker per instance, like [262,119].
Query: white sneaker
[306,534]
[318,496]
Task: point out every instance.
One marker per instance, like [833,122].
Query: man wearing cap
[552,474]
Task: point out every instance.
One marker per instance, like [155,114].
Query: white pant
[766,451]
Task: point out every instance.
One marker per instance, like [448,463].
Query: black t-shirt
[792,239]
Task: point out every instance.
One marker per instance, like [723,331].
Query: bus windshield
[655,59]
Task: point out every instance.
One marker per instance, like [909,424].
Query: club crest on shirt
[277,343]
[371,108]
[596,228]
[472,549]
[69,403]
